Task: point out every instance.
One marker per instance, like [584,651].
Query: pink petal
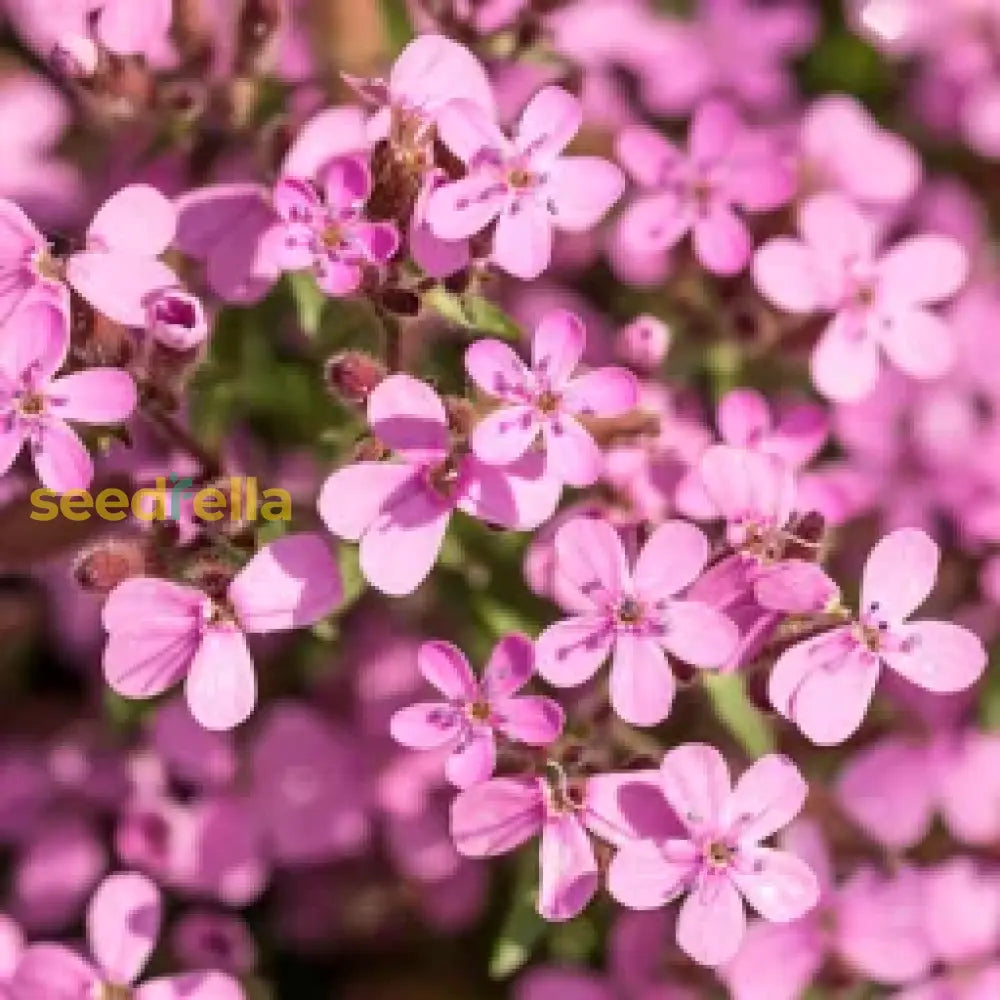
[407,415]
[645,875]
[379,241]
[711,923]
[672,559]
[787,274]
[836,231]
[425,726]
[496,369]
[622,807]
[605,392]
[128,29]
[568,868]
[354,497]
[123,924]
[776,961]
[824,685]
[137,220]
[446,669]
[520,496]
[467,130]
[297,201]
[52,972]
[795,587]
[845,364]
[899,574]
[743,483]
[581,190]
[530,719]
[549,123]
[465,207]
[433,69]
[759,180]
[497,816]
[11,443]
[571,651]
[778,885]
[557,983]
[722,242]
[572,454]
[699,634]
[20,240]
[60,459]
[221,687]
[118,283]
[714,128]
[35,336]
[522,244]
[767,797]
[590,559]
[695,782]
[918,343]
[504,435]
[338,278]
[330,133]
[192,986]
[654,223]
[923,270]
[290,583]
[557,346]
[95,396]
[510,667]
[941,656]
[346,182]
[743,417]
[646,155]
[474,760]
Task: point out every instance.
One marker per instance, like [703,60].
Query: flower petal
[123,924]
[767,797]
[496,369]
[581,190]
[646,875]
[795,587]
[572,454]
[722,242]
[571,651]
[712,921]
[671,560]
[61,460]
[504,435]
[605,392]
[192,986]
[699,634]
[467,206]
[522,244]
[407,415]
[221,688]
[95,396]
[696,783]
[918,343]
[52,972]
[899,574]
[939,656]
[568,868]
[548,124]
[845,363]
[353,497]
[137,220]
[923,270]
[590,558]
[531,719]
[35,336]
[445,667]
[510,666]
[425,726]
[497,816]
[118,283]
[474,760]
[778,885]
[786,273]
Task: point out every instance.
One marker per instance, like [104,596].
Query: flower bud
[177,320]
[353,375]
[644,342]
[101,568]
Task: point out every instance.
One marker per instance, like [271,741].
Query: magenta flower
[632,614]
[476,711]
[160,631]
[399,510]
[525,185]
[726,168]
[824,684]
[35,405]
[329,234]
[547,400]
[721,858]
[501,814]
[123,923]
[878,301]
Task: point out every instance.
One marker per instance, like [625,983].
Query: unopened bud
[177,320]
[644,342]
[75,57]
[101,568]
[353,375]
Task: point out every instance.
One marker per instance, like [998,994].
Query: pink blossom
[35,404]
[399,510]
[795,431]
[632,614]
[644,342]
[724,169]
[824,684]
[499,815]
[160,632]
[206,939]
[546,400]
[123,923]
[879,301]
[475,711]
[329,234]
[524,184]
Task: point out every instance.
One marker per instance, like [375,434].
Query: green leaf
[398,26]
[989,701]
[733,709]
[475,313]
[309,300]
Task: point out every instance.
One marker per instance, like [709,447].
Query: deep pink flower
[399,510]
[824,684]
[501,814]
[879,300]
[475,711]
[720,859]
[632,614]
[35,404]
[123,923]
[526,185]
[725,168]
[329,234]
[160,632]
[546,400]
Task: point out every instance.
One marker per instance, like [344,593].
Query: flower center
[110,991]
[521,178]
[48,266]
[630,611]
[701,193]
[443,479]
[222,613]
[32,404]
[548,401]
[719,854]
[332,236]
[480,711]
[865,296]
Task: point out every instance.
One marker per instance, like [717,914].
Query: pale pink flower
[525,185]
[824,684]
[726,169]
[35,403]
[644,342]
[547,400]
[631,612]
[123,923]
[501,814]
[399,510]
[721,858]
[879,300]
[475,712]
[160,632]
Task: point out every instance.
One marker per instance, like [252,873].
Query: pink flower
[720,859]
[525,184]
[794,431]
[547,400]
[35,405]
[476,711]
[725,168]
[878,301]
[160,631]
[824,684]
[631,612]
[501,814]
[328,234]
[644,342]
[123,923]
[399,510]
